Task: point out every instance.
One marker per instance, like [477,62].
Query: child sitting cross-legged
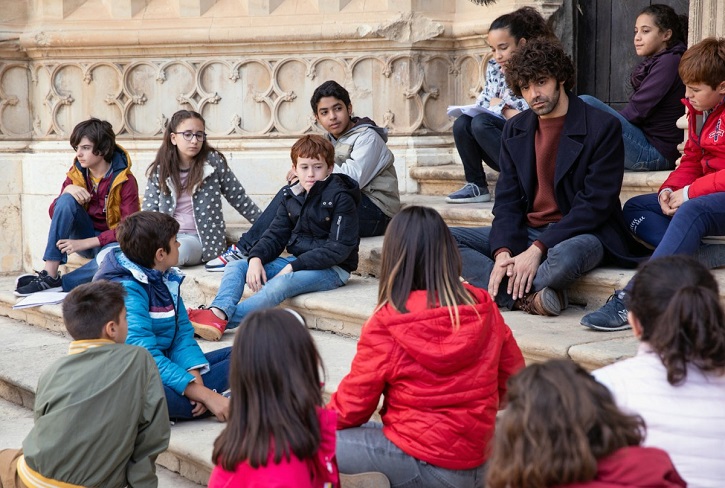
[100,414]
[317,222]
[157,320]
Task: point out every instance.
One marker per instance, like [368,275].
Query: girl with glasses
[187,180]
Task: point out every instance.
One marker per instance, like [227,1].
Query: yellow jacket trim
[37,480]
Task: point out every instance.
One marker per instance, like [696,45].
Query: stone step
[343,312]
[25,351]
[445,179]
[16,422]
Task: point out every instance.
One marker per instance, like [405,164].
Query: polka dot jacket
[496,87]
[218,180]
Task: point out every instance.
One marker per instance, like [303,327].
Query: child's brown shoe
[206,325]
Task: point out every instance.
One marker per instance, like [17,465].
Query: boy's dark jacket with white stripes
[319,228]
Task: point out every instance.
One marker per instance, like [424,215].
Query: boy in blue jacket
[316,222]
[157,317]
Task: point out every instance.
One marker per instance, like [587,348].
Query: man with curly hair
[557,213]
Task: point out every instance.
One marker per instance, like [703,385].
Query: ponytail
[681,317]
[690,331]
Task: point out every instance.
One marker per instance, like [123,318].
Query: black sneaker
[25,279]
[611,316]
[41,282]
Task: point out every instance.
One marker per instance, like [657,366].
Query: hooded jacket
[362,154]
[157,319]
[307,473]
[442,386]
[704,159]
[319,227]
[115,199]
[634,467]
[655,104]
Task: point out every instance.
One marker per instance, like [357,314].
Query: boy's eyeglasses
[188,135]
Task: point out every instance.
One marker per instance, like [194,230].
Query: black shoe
[25,279]
[611,316]
[41,282]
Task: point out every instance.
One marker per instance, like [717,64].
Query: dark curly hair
[524,23]
[539,58]
[681,317]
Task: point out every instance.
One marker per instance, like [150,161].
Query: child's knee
[65,202]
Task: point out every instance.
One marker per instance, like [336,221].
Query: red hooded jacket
[704,158]
[635,467]
[442,386]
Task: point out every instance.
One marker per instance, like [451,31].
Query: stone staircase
[31,339]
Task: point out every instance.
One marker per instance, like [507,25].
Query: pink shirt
[184,211]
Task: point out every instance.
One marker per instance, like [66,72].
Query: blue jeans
[564,263]
[478,139]
[683,232]
[639,154]
[275,291]
[373,221]
[217,379]
[363,449]
[71,221]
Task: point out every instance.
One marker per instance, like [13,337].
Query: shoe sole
[207,332]
[551,302]
[479,199]
[20,294]
[217,269]
[607,329]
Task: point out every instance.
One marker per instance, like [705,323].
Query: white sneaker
[231,254]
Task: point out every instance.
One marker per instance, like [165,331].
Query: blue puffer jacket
[157,319]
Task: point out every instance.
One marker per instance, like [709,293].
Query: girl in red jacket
[562,429]
[277,436]
[440,353]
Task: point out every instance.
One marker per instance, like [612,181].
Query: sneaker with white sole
[41,282]
[611,316]
[231,254]
[470,193]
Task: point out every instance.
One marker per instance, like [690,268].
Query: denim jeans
[373,221]
[275,291]
[217,379]
[71,221]
[683,232]
[639,154]
[478,139]
[365,448]
[564,263]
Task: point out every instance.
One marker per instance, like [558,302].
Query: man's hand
[499,271]
[79,193]
[525,266]
[70,246]
[256,276]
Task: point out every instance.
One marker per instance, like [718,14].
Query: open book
[470,110]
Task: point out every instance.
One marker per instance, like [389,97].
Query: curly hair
[681,319]
[558,424]
[539,58]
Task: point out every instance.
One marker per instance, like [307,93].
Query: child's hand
[79,193]
[291,176]
[70,246]
[219,406]
[677,198]
[197,408]
[256,276]
[665,202]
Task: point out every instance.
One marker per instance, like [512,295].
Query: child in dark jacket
[317,222]
[157,320]
[99,191]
